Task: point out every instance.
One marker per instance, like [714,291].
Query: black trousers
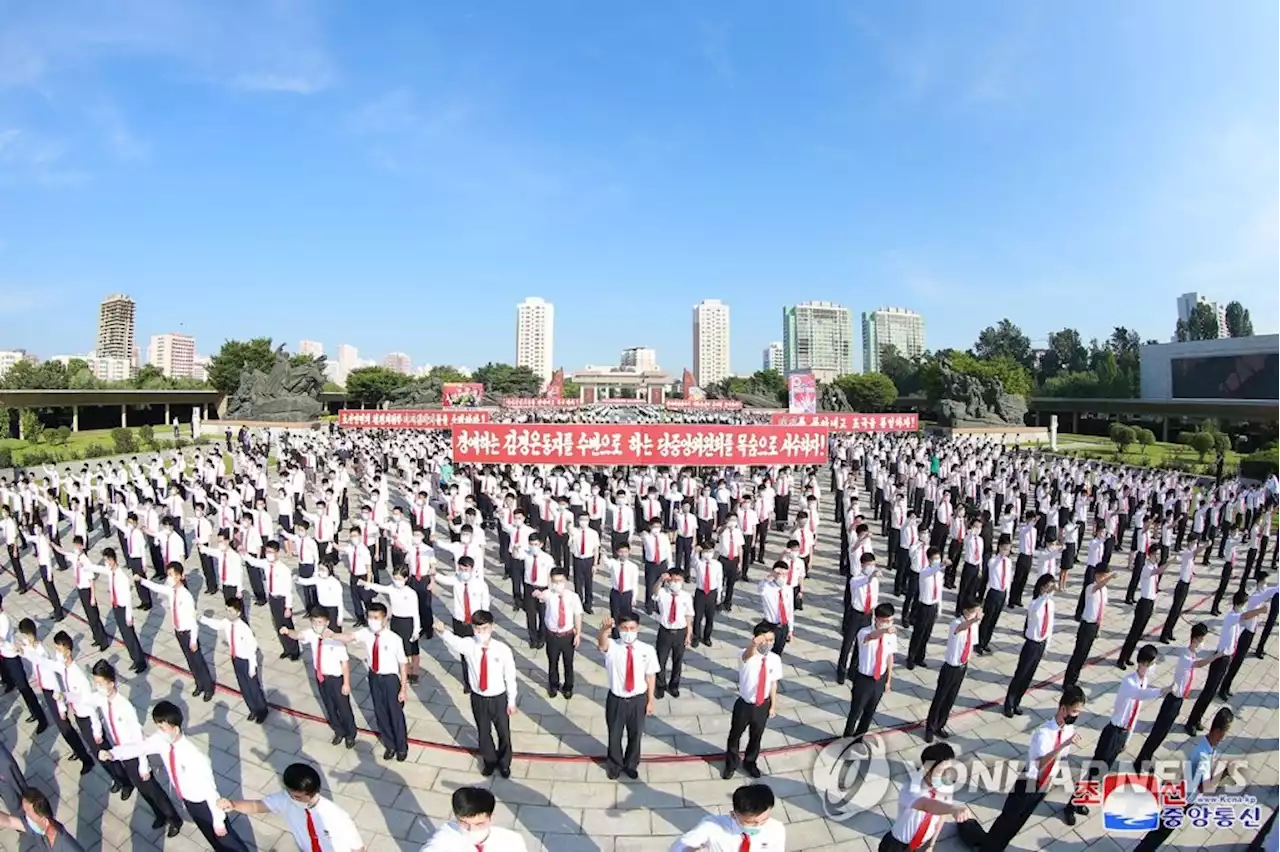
[684,552]
[624,716]
[278,619]
[129,637]
[140,574]
[730,571]
[910,594]
[85,728]
[950,679]
[867,692]
[1243,644]
[1019,805]
[151,791]
[652,571]
[761,539]
[65,728]
[560,652]
[493,729]
[250,686]
[1028,661]
[1021,570]
[619,602]
[203,819]
[1223,582]
[534,622]
[1175,610]
[1135,574]
[1272,610]
[968,585]
[704,613]
[422,588]
[750,719]
[388,712]
[1141,615]
[1170,707]
[90,606]
[195,661]
[337,707]
[1111,743]
[854,621]
[1089,574]
[1085,634]
[991,609]
[925,616]
[670,646]
[15,674]
[1212,683]
[583,580]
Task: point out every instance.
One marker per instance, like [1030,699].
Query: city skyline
[966,164]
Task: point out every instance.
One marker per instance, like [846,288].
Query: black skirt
[403,627]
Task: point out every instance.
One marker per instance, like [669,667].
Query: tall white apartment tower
[535,336]
[710,342]
[896,327]
[174,354]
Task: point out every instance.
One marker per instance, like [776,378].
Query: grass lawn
[1104,449]
[74,449]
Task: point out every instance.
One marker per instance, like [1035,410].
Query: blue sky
[400,180]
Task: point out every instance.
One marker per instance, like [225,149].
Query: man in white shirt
[242,646]
[562,620]
[472,827]
[674,611]
[332,670]
[777,606]
[961,640]
[1037,633]
[1184,680]
[388,680]
[584,551]
[315,822]
[182,617]
[632,668]
[491,670]
[749,827]
[923,808]
[190,775]
[1050,744]
[876,645]
[707,576]
[624,580]
[756,703]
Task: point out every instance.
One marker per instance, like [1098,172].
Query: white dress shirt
[749,676]
[999,570]
[241,643]
[1129,697]
[500,664]
[674,608]
[449,838]
[332,825]
[778,604]
[551,610]
[1045,739]
[644,663]
[875,655]
[327,655]
[182,606]
[960,643]
[723,834]
[390,650]
[1039,624]
[708,575]
[913,826]
[190,773]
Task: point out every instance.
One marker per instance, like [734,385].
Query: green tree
[151,377]
[1015,378]
[1239,323]
[508,380]
[904,372]
[444,373]
[1202,443]
[868,392]
[1203,323]
[1146,439]
[234,356]
[372,385]
[31,427]
[1121,435]
[1081,385]
[1064,354]
[1004,339]
[572,390]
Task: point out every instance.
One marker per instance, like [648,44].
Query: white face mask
[628,637]
[397,581]
[474,835]
[558,588]
[483,637]
[375,626]
[464,576]
[676,587]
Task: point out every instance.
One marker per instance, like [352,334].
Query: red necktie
[629,682]
[319,658]
[782,608]
[762,682]
[173,770]
[562,616]
[417,563]
[466,605]
[484,669]
[733,547]
[706,578]
[622,573]
[374,662]
[583,545]
[968,646]
[879,658]
[923,832]
[671,612]
[223,568]
[1191,676]
[312,834]
[745,845]
[175,610]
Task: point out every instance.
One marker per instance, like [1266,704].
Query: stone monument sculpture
[965,400]
[288,394]
[420,394]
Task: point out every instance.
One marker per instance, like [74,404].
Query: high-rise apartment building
[173,353]
[200,368]
[398,362]
[710,342]
[896,327]
[9,357]
[1187,303]
[348,360]
[642,359]
[817,337]
[116,328]
[774,358]
[535,336]
[311,347]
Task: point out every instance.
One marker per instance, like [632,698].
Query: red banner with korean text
[462,394]
[539,402]
[372,418]
[842,422]
[704,404]
[632,444]
[802,393]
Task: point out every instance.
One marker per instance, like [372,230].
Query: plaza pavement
[558,795]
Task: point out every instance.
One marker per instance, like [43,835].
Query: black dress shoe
[388,754]
[673,691]
[910,666]
[351,743]
[488,769]
[208,696]
[1069,815]
[159,822]
[86,766]
[633,774]
[726,772]
[612,773]
[1017,711]
[126,793]
[41,728]
[944,733]
[1008,712]
[504,771]
[707,642]
[693,643]
[928,735]
[659,692]
[922,664]
[402,756]
[173,830]
[566,694]
[115,787]
[840,677]
[751,769]
[551,693]
[284,655]
[413,679]
[337,738]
